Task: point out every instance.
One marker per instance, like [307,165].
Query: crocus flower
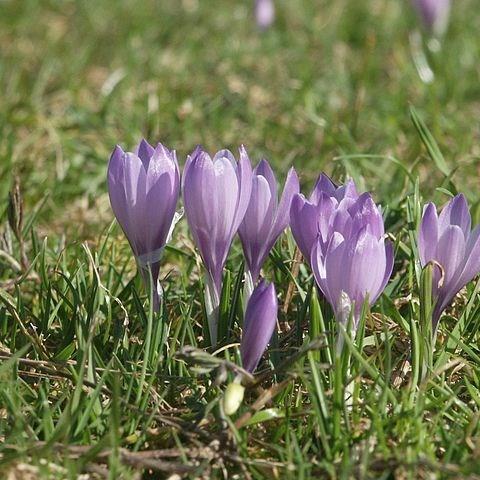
[264,13]
[144,187]
[329,208]
[265,218]
[216,195]
[350,260]
[352,270]
[434,15]
[259,324]
[446,240]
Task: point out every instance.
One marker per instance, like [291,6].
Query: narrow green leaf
[429,142]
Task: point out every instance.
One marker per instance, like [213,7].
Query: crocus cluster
[221,197]
[310,219]
[342,235]
[339,231]
[447,241]
[434,15]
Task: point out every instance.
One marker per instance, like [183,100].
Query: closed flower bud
[216,193]
[144,188]
[266,217]
[259,324]
[233,397]
[447,241]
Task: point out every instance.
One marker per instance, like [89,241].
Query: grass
[91,381]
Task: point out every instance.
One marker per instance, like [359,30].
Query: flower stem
[155,303]
[212,308]
[247,289]
[427,336]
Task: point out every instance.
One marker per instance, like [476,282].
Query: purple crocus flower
[216,195]
[266,217]
[144,187]
[312,218]
[434,14]
[446,239]
[352,269]
[264,13]
[345,240]
[259,324]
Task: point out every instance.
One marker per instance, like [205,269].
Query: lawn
[94,383]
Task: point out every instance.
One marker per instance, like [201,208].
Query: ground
[91,382]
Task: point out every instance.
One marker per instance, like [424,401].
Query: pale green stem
[247,289]
[212,308]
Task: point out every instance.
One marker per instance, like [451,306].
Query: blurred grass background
[330,80]
[328,87]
